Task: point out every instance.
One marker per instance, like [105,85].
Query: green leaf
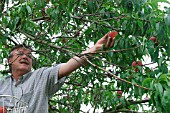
[140,24]
[124,24]
[150,47]
[88,31]
[166,101]
[159,88]
[164,68]
[110,54]
[29,9]
[64,3]
[167,20]
[160,61]
[163,78]
[147,82]
[70,5]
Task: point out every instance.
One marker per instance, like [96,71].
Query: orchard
[60,29]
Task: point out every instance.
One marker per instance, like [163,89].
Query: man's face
[21,60]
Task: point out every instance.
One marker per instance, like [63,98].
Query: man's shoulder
[39,69]
[5,77]
[46,68]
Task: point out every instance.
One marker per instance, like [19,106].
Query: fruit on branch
[113,34]
[136,63]
[3,109]
[153,38]
[119,94]
[110,37]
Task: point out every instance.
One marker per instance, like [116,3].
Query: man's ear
[9,61]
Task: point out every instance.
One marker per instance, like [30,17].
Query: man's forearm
[75,63]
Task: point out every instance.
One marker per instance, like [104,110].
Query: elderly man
[36,87]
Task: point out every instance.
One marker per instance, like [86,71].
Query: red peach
[113,34]
[136,63]
[119,92]
[153,38]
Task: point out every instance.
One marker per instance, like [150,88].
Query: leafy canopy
[59,29]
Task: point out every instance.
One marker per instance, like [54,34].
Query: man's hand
[107,41]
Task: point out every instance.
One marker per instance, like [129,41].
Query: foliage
[59,29]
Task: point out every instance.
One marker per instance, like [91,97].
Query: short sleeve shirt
[34,88]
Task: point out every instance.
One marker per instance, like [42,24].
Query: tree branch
[116,76]
[130,102]
[124,110]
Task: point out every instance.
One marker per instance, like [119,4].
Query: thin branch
[93,21]
[121,50]
[45,42]
[41,18]
[116,76]
[130,102]
[126,111]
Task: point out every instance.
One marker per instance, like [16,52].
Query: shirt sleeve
[53,84]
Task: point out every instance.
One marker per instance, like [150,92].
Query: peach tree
[60,29]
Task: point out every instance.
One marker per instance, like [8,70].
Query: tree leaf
[159,88]
[29,9]
[166,101]
[147,82]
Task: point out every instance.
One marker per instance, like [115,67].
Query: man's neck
[17,75]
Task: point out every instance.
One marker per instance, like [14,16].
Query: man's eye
[29,55]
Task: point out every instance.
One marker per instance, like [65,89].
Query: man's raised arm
[76,62]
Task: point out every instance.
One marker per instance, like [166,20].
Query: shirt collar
[25,76]
[21,79]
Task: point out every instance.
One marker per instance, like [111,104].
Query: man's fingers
[109,42]
[105,36]
[112,42]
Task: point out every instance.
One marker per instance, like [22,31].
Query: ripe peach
[153,38]
[119,92]
[136,63]
[113,34]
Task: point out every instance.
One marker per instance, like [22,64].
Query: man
[36,87]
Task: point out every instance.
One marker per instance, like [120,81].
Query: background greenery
[60,29]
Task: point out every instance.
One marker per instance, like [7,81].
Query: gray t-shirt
[34,88]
